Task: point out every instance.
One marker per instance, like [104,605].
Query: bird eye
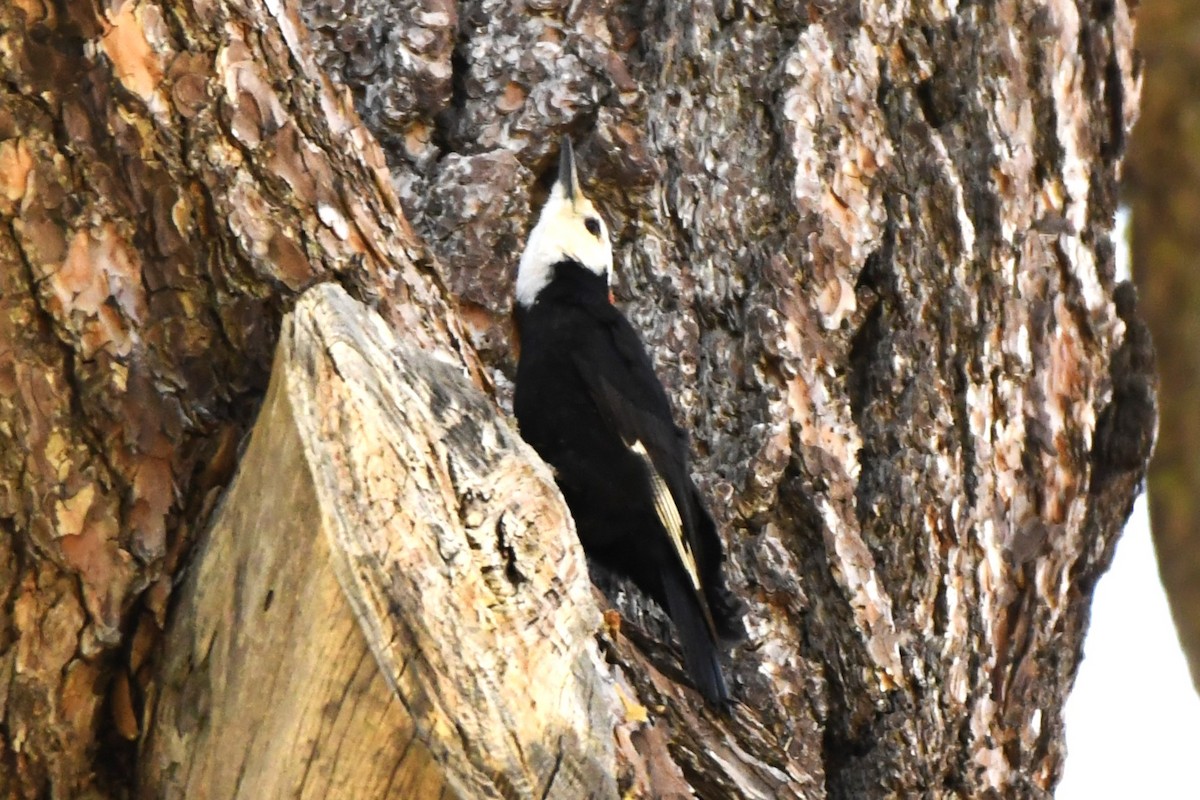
[593,226]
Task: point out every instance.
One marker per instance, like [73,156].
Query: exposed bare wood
[391,596]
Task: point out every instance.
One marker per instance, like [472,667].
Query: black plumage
[588,400]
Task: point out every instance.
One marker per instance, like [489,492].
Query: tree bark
[1162,180]
[868,244]
[164,198]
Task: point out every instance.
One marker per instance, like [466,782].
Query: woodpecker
[588,401]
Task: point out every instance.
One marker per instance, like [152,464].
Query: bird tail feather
[700,654]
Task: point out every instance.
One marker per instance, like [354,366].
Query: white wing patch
[668,515]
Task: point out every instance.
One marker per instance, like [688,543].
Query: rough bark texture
[868,244]
[1163,181]
[380,489]
[164,194]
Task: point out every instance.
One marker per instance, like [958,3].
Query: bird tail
[700,654]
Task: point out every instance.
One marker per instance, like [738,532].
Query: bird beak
[568,179]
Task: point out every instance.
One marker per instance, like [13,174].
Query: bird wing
[632,402]
[668,514]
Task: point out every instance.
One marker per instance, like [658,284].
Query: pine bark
[868,245]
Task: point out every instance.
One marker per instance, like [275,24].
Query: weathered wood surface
[391,601]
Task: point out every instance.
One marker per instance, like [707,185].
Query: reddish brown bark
[869,246]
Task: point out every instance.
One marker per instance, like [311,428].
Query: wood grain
[391,601]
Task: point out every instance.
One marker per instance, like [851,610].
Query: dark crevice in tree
[869,355]
[446,121]
[1125,429]
[940,97]
[558,757]
[1114,98]
[1048,151]
[843,749]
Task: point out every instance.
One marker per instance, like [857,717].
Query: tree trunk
[868,244]
[1163,176]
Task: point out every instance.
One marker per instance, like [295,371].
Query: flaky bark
[880,235]
[867,243]
[163,198]
[1164,194]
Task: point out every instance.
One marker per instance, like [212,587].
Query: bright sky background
[1133,719]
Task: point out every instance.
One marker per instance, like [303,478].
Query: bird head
[568,229]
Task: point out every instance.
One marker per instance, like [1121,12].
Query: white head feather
[568,228]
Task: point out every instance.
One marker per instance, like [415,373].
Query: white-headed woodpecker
[588,401]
